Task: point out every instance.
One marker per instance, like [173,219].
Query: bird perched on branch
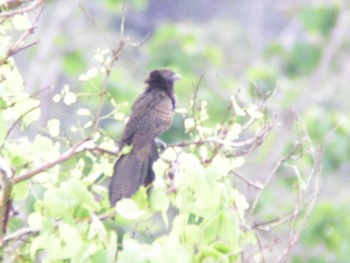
[152,114]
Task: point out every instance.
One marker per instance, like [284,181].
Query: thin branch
[249,182]
[268,225]
[92,19]
[17,46]
[248,143]
[23,47]
[102,96]
[22,10]
[295,237]
[269,178]
[102,150]
[19,234]
[16,122]
[81,146]
[122,24]
[116,53]
[194,99]
[140,42]
[33,95]
[109,67]
[10,4]
[261,249]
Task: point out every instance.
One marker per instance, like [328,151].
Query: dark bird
[152,114]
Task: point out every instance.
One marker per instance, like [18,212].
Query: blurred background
[294,53]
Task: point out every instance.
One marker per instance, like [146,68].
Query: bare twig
[33,95]
[269,178]
[29,231]
[250,143]
[249,182]
[18,45]
[295,234]
[19,234]
[261,249]
[124,41]
[79,147]
[109,67]
[92,19]
[23,10]
[268,225]
[102,150]
[16,122]
[194,99]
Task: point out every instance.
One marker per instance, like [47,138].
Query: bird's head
[163,78]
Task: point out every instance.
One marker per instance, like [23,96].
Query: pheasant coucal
[152,114]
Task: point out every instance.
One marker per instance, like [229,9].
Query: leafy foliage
[202,207]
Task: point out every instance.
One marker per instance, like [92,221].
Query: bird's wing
[151,115]
[140,106]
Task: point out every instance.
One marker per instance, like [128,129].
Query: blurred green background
[296,50]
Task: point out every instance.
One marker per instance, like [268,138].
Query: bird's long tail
[131,171]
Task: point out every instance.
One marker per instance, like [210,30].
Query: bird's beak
[176,76]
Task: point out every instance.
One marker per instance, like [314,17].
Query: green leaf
[11,80]
[69,98]
[84,112]
[71,241]
[172,251]
[102,256]
[53,126]
[43,149]
[20,191]
[253,112]
[188,233]
[229,229]
[238,110]
[211,228]
[107,255]
[159,200]
[90,74]
[18,153]
[207,194]
[58,204]
[27,110]
[141,198]
[35,220]
[132,252]
[189,124]
[126,149]
[97,229]
[21,22]
[79,191]
[38,243]
[240,202]
[191,170]
[129,209]
[119,116]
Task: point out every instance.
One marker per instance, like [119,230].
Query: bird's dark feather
[151,115]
